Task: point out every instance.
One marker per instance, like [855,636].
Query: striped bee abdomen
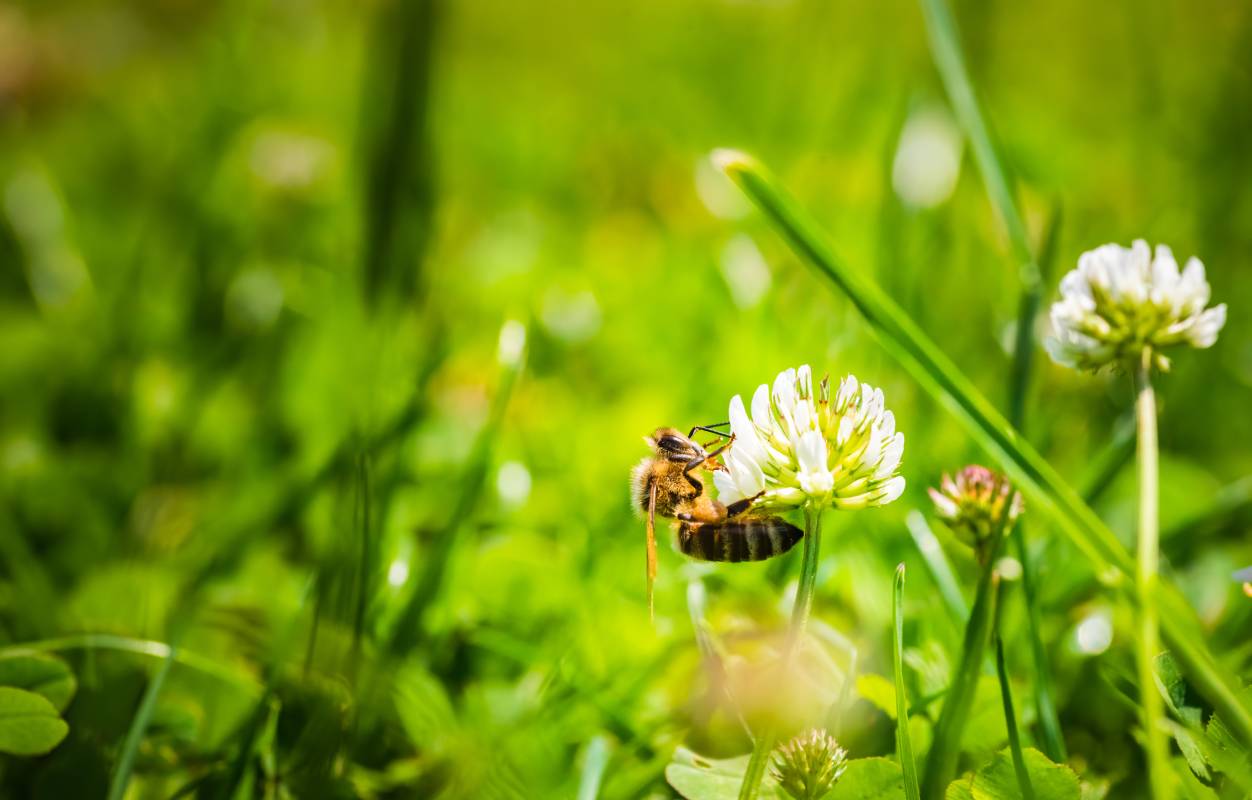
[738,539]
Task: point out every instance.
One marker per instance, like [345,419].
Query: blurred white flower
[927,163]
[718,193]
[571,316]
[289,161]
[745,271]
[398,572]
[511,344]
[803,448]
[1122,302]
[513,483]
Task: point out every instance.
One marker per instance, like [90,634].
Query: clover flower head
[802,447]
[974,504]
[1123,302]
[808,766]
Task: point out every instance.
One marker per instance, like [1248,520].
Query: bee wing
[1244,575]
[651,548]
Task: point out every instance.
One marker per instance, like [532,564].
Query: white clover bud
[802,447]
[809,766]
[1122,303]
[974,505]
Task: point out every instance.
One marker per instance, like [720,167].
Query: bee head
[670,443]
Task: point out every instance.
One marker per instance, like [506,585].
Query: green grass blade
[950,728]
[368,558]
[1024,344]
[904,744]
[1010,717]
[143,647]
[130,747]
[946,48]
[595,759]
[937,563]
[941,378]
[1051,738]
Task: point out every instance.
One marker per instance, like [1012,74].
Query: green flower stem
[1151,707]
[764,742]
[1010,717]
[942,761]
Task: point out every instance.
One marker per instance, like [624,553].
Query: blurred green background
[256,259]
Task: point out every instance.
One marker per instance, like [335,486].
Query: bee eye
[673,444]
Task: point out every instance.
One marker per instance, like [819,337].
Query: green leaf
[44,675]
[423,706]
[998,780]
[937,373]
[878,691]
[698,778]
[869,779]
[29,723]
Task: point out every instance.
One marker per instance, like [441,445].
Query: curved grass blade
[946,48]
[130,747]
[941,378]
[1010,717]
[144,647]
[904,744]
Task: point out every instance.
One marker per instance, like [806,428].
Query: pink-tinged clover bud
[976,505]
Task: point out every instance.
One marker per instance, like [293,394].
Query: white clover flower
[800,448]
[1121,302]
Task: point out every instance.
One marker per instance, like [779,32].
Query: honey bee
[666,484]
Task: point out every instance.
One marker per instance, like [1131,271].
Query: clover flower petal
[801,447]
[1122,302]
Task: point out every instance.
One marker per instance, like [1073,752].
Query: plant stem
[942,761]
[138,726]
[1151,706]
[1050,736]
[1010,717]
[764,743]
[904,744]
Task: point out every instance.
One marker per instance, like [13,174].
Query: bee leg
[701,460]
[651,550]
[710,429]
[740,506]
